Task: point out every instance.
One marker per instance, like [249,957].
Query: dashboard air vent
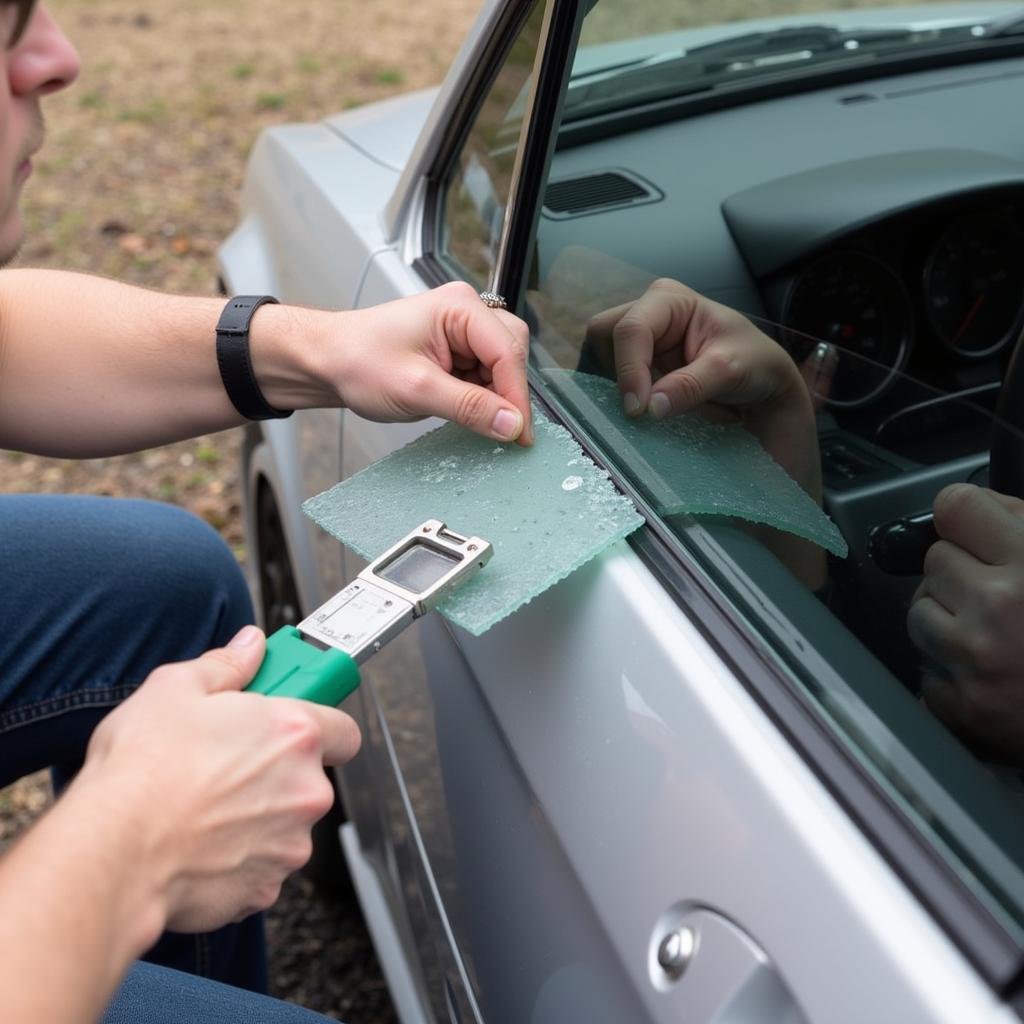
[599,191]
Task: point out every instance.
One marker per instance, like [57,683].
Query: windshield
[678,49]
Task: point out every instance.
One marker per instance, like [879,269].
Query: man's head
[37,59]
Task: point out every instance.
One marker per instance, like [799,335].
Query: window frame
[981,937]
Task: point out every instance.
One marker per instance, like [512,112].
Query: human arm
[967,618]
[194,803]
[91,367]
[674,351]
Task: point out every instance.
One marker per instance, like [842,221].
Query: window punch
[319,659]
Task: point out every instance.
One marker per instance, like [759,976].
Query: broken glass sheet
[689,464]
[546,510]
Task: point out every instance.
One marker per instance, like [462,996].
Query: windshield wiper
[801,41]
[709,65]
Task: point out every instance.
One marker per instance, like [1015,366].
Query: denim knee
[99,592]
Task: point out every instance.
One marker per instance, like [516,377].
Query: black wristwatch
[234,360]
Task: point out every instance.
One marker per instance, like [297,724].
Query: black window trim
[993,951]
[430,265]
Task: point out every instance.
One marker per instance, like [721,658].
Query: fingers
[231,667]
[340,738]
[714,375]
[979,522]
[932,630]
[951,576]
[473,406]
[1008,501]
[497,340]
[659,313]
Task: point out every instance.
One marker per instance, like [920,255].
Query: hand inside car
[237,779]
[967,617]
[674,351]
[442,353]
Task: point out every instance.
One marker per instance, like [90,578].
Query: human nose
[44,59]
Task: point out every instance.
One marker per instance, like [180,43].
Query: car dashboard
[883,218]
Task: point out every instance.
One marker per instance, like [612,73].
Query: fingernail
[507,425]
[631,403]
[245,637]
[658,407]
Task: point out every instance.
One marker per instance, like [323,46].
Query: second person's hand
[966,617]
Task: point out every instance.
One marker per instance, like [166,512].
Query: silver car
[679,785]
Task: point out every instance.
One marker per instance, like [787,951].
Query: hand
[222,787]
[967,617]
[675,351]
[442,353]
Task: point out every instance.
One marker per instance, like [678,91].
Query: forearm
[77,906]
[93,367]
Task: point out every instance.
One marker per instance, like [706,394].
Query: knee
[192,567]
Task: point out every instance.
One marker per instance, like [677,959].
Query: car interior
[882,215]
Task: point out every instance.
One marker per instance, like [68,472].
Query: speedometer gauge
[857,305]
[974,284]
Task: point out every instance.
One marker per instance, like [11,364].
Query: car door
[675,786]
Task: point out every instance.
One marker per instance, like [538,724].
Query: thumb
[475,407]
[232,667]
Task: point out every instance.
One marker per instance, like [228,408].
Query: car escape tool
[319,659]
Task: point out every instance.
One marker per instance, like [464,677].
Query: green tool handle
[294,668]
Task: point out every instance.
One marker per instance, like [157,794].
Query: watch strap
[235,361]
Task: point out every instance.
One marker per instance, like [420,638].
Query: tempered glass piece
[517,498]
[688,464]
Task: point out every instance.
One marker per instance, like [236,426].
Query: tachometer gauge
[860,307]
[974,284]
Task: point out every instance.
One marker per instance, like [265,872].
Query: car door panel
[650,782]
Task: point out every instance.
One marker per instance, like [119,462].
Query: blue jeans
[94,594]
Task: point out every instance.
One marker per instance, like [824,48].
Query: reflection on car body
[683,741]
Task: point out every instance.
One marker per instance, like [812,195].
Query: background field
[139,180]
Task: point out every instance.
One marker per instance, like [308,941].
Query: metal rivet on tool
[388,604]
[676,950]
[472,547]
[426,529]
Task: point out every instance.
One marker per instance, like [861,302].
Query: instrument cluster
[952,286]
